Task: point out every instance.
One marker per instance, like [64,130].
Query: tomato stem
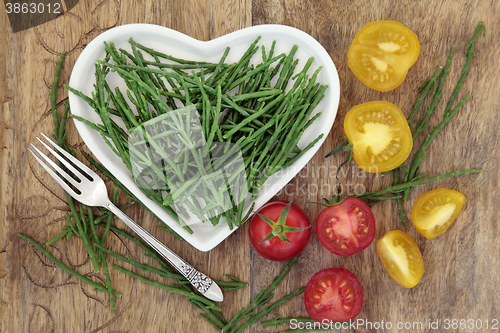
[279,228]
[335,200]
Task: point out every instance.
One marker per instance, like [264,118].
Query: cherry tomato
[296,229]
[381,54]
[380,136]
[434,211]
[333,294]
[346,228]
[401,257]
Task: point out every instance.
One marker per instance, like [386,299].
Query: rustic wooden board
[462,266]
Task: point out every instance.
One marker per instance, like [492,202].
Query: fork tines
[61,176]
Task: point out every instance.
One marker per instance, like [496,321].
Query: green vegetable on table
[412,176]
[93,230]
[255,112]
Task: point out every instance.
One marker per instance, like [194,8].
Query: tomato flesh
[435,211]
[275,249]
[333,294]
[401,257]
[347,228]
[380,136]
[381,54]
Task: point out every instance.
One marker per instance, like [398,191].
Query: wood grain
[462,266]
[4,129]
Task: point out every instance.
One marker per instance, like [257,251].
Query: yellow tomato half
[434,211]
[401,257]
[380,136]
[381,54]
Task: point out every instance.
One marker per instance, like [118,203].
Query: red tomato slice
[333,294]
[347,228]
[275,249]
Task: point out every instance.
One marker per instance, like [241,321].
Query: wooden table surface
[462,266]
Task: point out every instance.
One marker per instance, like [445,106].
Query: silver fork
[93,193]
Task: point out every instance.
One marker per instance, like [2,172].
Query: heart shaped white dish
[205,236]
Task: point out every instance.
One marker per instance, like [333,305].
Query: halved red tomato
[333,294]
[401,257]
[380,136]
[381,54]
[434,211]
[346,228]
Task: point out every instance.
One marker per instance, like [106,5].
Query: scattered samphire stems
[79,223]
[268,308]
[424,90]
[407,176]
[93,230]
[263,109]
[263,297]
[96,285]
[378,195]
[246,120]
[414,166]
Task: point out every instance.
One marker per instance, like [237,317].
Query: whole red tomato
[280,230]
[346,228]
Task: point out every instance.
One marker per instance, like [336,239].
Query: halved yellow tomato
[401,257]
[381,54]
[380,136]
[434,211]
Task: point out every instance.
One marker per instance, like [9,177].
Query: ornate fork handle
[200,281]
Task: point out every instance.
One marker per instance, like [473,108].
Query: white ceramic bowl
[205,236]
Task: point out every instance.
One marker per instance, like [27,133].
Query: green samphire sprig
[408,175]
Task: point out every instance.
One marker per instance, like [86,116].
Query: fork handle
[205,285]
